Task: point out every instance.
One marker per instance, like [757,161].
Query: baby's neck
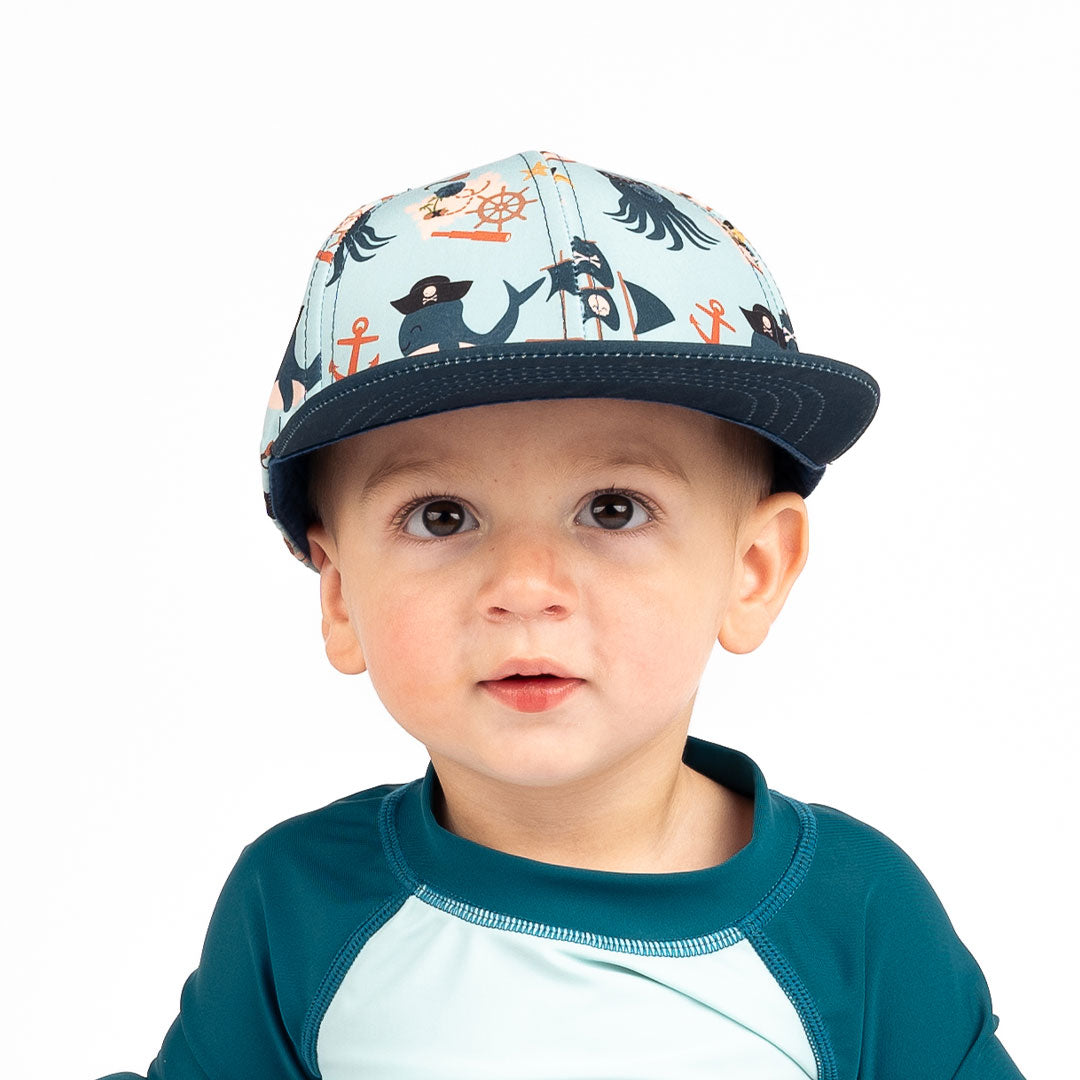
[682,821]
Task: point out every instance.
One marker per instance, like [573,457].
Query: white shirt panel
[434,995]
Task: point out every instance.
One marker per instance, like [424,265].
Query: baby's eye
[439,517]
[614,510]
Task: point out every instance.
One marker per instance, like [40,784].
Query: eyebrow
[414,468]
[637,459]
[418,468]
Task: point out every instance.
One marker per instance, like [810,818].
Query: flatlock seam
[802,1002]
[794,874]
[335,976]
[679,947]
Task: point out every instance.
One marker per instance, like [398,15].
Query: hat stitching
[307,309]
[731,381]
[389,373]
[573,192]
[755,403]
[547,229]
[383,376]
[568,234]
[769,292]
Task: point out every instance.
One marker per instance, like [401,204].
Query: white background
[907,172]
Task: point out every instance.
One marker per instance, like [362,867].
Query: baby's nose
[527,577]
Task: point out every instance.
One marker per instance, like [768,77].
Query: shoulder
[867,881]
[860,852]
[331,849]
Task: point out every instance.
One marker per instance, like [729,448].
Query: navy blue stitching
[326,269]
[335,975]
[547,225]
[802,1002]
[569,235]
[329,348]
[577,201]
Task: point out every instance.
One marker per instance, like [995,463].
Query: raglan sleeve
[232,1024]
[927,1008]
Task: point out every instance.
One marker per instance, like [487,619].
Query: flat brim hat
[540,277]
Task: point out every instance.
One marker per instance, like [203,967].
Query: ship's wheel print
[501,207]
[493,210]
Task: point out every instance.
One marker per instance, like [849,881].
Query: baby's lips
[530,667]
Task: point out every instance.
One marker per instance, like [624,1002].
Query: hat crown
[535,255]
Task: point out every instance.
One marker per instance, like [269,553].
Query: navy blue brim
[810,407]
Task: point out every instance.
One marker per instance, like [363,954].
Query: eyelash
[414,504]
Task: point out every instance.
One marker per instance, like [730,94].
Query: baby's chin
[544,758]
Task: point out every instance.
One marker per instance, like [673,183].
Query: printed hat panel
[541,252]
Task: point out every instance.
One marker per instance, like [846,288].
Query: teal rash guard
[364,940]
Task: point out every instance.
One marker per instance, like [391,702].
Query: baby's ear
[771,551]
[342,646]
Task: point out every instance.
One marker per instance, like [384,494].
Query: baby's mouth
[523,670]
[531,693]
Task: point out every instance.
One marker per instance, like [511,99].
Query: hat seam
[569,238]
[547,221]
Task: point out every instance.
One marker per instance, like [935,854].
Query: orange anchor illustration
[359,327]
[716,310]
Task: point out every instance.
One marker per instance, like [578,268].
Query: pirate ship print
[770,332]
[645,310]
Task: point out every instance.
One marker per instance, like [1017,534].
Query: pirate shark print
[769,331]
[434,316]
[646,310]
[641,206]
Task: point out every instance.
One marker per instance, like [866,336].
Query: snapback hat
[535,277]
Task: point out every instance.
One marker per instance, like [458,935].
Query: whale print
[435,321]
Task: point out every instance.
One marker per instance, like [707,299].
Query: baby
[545,433]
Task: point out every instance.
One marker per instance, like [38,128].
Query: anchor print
[359,329]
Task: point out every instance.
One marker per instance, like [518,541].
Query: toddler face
[586,546]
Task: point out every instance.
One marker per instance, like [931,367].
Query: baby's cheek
[408,646]
[671,646]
